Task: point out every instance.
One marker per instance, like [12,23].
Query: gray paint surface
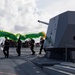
[61,31]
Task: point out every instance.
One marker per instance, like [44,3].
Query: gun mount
[60,36]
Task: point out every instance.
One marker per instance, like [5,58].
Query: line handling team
[18,48]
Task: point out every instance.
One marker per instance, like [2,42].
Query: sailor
[19,47]
[41,43]
[6,48]
[32,46]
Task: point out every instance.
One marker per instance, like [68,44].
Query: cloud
[19,28]
[20,16]
[55,7]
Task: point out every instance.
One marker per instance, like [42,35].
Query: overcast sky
[20,16]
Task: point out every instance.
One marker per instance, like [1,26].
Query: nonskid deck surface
[19,65]
[28,64]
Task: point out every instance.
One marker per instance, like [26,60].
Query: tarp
[22,37]
[8,35]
